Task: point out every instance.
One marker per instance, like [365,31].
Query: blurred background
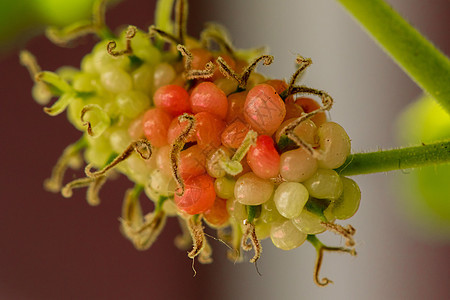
[57,248]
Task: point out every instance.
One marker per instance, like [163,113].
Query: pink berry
[279,85]
[208,130]
[199,195]
[173,98]
[234,134]
[230,62]
[309,105]
[264,109]
[192,162]
[136,129]
[293,110]
[263,158]
[217,215]
[208,97]
[156,122]
[236,106]
[162,158]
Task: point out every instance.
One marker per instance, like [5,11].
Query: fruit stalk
[417,56]
[396,159]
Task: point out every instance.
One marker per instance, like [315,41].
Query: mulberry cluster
[205,137]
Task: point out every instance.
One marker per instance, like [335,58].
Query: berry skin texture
[236,103]
[173,98]
[293,110]
[308,223]
[335,144]
[264,109]
[279,85]
[263,158]
[286,236]
[132,103]
[208,130]
[156,122]
[297,165]
[325,184]
[290,198]
[252,190]
[348,203]
[192,162]
[208,97]
[217,216]
[116,80]
[224,187]
[198,196]
[234,134]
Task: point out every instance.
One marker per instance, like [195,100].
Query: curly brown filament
[190,73]
[250,233]
[242,79]
[345,232]
[164,35]
[304,63]
[86,109]
[111,46]
[227,71]
[267,60]
[325,281]
[142,147]
[176,148]
[327,103]
[198,236]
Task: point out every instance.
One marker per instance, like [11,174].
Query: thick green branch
[420,59]
[396,159]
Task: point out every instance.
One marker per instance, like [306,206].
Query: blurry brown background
[56,248]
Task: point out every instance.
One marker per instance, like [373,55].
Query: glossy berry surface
[207,97]
[156,123]
[263,158]
[264,109]
[172,98]
[199,195]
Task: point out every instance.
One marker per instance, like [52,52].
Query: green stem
[418,57]
[159,204]
[136,191]
[314,241]
[396,159]
[252,211]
